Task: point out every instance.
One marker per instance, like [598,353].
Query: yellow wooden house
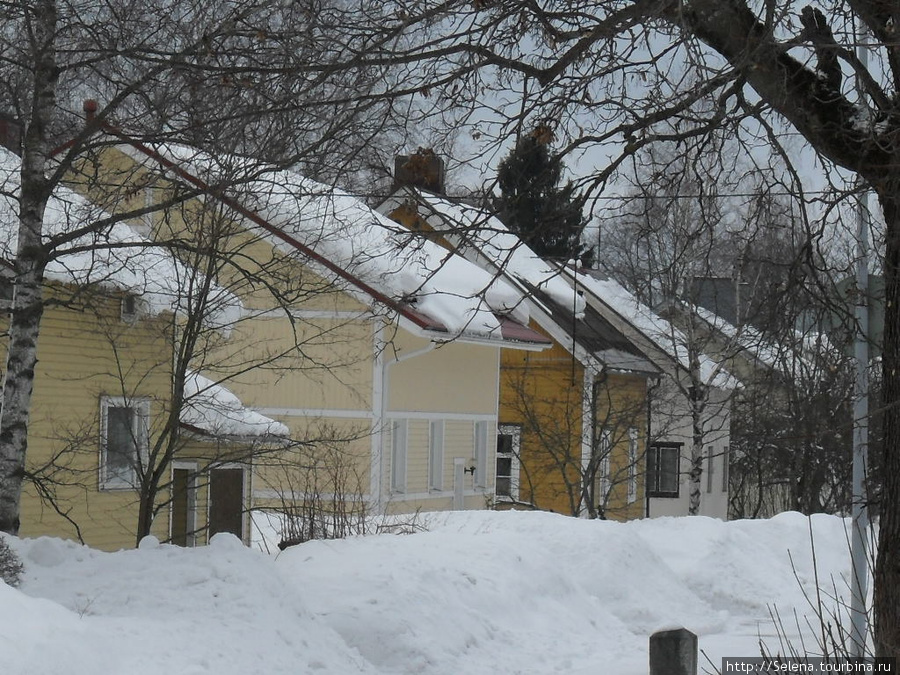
[573,419]
[102,395]
[381,355]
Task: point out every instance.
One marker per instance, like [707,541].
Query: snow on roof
[103,257]
[212,408]
[784,358]
[503,250]
[662,333]
[363,243]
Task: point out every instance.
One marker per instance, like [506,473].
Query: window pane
[121,445]
[668,469]
[504,487]
[504,466]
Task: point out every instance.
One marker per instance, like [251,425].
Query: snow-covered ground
[477,593]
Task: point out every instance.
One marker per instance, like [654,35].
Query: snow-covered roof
[660,332]
[213,409]
[361,248]
[476,231]
[113,256]
[796,353]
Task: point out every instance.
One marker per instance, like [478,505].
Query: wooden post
[673,652]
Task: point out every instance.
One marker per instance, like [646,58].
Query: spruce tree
[548,217]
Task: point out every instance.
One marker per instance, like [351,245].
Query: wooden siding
[337,367]
[454,377]
[83,356]
[459,443]
[302,364]
[544,393]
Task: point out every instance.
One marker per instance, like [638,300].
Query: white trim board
[317,412]
[442,415]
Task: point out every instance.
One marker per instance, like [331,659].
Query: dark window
[662,469]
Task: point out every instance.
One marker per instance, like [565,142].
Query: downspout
[381,391]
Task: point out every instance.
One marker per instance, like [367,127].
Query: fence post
[673,652]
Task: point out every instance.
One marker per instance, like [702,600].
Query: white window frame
[481,448]
[141,432]
[399,452]
[632,465]
[653,477]
[436,437]
[515,431]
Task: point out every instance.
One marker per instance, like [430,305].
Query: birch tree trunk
[31,260]
[887,563]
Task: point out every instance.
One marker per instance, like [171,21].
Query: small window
[663,469]
[507,478]
[398,455]
[710,456]
[481,443]
[632,465]
[124,441]
[130,305]
[436,455]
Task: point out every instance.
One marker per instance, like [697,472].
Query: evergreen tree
[533,205]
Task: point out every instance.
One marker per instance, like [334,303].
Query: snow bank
[481,593]
[114,256]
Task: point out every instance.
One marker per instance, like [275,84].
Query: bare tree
[555,470]
[253,78]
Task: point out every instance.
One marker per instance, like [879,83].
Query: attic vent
[130,305]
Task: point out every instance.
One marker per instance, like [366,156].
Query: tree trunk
[887,564]
[696,473]
[17,387]
[31,260]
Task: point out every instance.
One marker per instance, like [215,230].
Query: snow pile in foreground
[480,592]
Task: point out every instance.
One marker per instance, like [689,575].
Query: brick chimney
[423,169]
[90,109]
[11,134]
